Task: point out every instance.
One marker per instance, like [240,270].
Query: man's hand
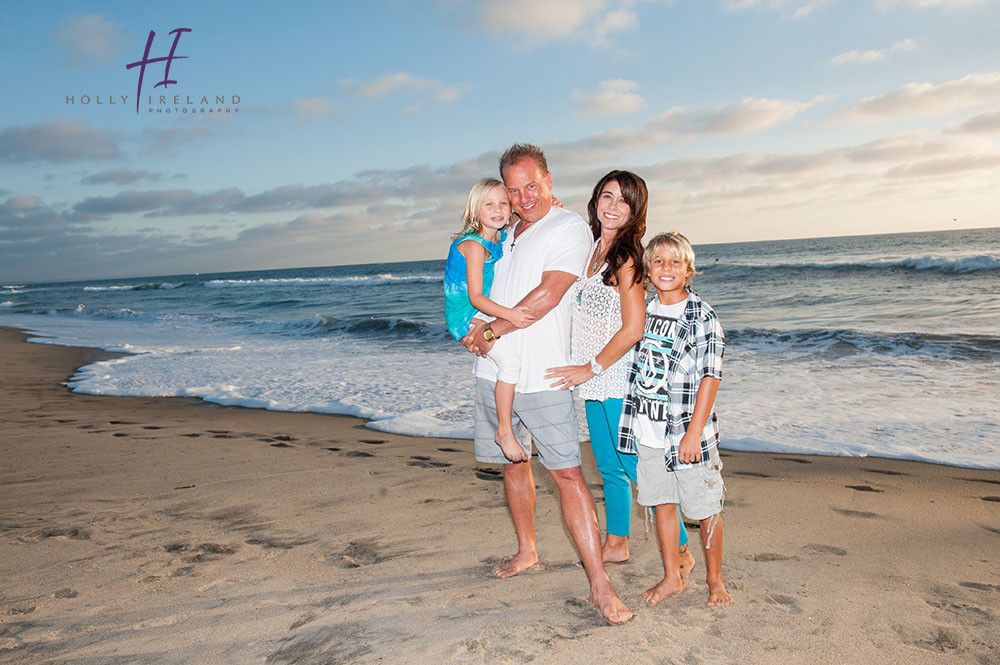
[474,340]
[689,450]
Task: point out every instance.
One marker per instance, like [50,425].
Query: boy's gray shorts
[698,489]
[550,417]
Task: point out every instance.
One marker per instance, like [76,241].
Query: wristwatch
[595,367]
[488,333]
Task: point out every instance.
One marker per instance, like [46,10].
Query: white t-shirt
[559,241]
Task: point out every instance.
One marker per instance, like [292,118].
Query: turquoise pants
[617,469]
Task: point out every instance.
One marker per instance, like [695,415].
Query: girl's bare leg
[512,450]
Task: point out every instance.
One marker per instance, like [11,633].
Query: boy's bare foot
[687,565]
[615,549]
[518,563]
[667,587]
[717,595]
[512,450]
[611,606]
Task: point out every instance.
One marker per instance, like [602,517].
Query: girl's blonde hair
[470,220]
[677,243]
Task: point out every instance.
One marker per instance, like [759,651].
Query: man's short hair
[519,151]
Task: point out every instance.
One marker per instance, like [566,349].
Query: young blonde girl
[468,277]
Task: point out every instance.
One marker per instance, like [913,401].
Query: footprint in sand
[358,453]
[280,445]
[333,449]
[825,549]
[885,472]
[191,436]
[374,442]
[450,450]
[772,556]
[489,474]
[786,602]
[751,474]
[979,586]
[856,513]
[151,427]
[120,434]
[863,488]
[792,459]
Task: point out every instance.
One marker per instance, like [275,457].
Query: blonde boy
[669,417]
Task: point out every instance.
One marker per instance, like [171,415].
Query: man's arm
[539,301]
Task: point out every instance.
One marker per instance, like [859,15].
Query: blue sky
[361,126]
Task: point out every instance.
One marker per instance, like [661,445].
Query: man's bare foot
[687,565]
[512,450]
[717,595]
[667,587]
[611,606]
[518,563]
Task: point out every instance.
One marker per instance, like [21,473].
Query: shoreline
[92,354]
[138,529]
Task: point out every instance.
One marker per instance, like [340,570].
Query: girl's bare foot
[668,586]
[717,594]
[615,549]
[508,443]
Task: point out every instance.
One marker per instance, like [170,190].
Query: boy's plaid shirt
[697,350]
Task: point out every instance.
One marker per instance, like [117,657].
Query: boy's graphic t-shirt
[652,362]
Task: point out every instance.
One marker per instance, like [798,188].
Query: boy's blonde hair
[676,242]
[470,220]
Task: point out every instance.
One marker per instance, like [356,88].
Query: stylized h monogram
[146,60]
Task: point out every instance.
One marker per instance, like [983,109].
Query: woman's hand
[569,376]
[521,317]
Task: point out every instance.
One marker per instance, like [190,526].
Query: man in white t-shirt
[546,252]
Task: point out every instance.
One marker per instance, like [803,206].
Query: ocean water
[882,345]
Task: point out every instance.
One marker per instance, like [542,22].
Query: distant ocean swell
[361,280]
[968,264]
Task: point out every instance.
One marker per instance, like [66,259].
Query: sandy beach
[167,530]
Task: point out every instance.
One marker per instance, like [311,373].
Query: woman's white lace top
[597,316]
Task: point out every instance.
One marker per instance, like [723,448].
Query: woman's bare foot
[615,549]
[508,443]
[687,565]
[717,594]
[668,586]
[516,564]
[611,606]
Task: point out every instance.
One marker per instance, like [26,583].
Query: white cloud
[538,20]
[62,140]
[313,107]
[391,83]
[922,99]
[91,40]
[612,22]
[947,4]
[855,57]
[985,123]
[612,97]
[794,9]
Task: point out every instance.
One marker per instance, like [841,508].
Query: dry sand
[164,530]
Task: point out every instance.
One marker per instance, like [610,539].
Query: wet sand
[166,530]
